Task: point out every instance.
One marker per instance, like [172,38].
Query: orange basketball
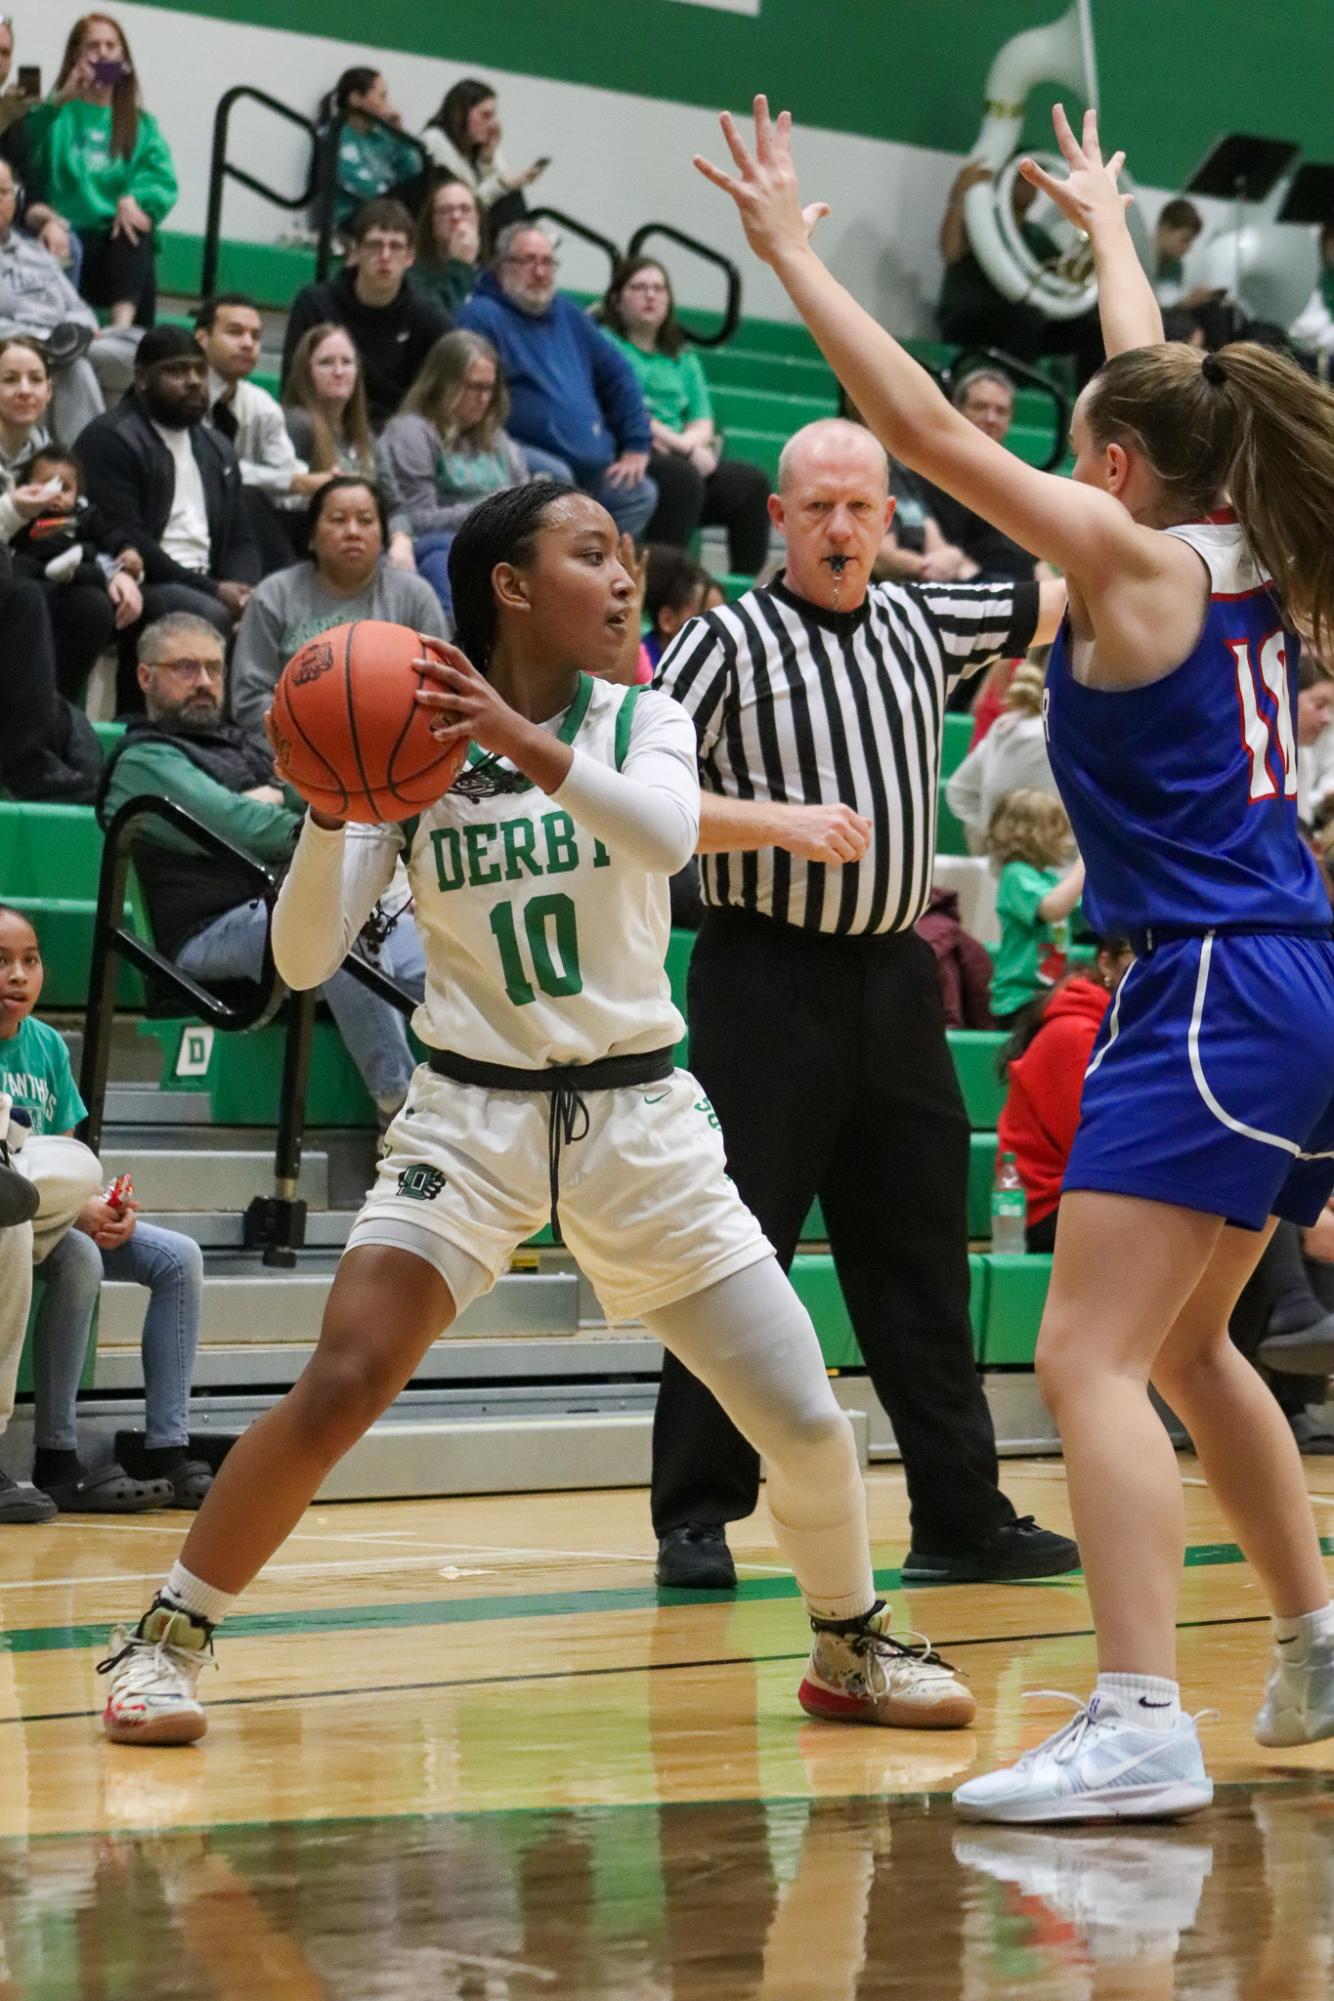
[350,736]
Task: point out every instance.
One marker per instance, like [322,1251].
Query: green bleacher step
[816,1284]
[951,838]
[981,1175]
[1016,1296]
[44,846]
[242,1073]
[976,1052]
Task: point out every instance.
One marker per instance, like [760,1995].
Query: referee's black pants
[826,1062]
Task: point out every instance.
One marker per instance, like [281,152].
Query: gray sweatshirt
[35,294]
[293,605]
[442,484]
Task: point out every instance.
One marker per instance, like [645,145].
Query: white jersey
[543,945]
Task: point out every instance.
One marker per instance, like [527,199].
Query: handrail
[611,250]
[221,170]
[325,180]
[274,1224]
[1017,371]
[731,310]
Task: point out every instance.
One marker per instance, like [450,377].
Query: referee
[816,1024]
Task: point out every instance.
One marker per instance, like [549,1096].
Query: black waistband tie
[568,1119]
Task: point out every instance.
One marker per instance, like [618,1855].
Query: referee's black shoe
[695,1557]
[1015,1550]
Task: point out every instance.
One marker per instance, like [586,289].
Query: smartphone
[542,164]
[30,79]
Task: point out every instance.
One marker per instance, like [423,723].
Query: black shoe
[1016,1549]
[1307,1351]
[67,342]
[696,1558]
[21,1503]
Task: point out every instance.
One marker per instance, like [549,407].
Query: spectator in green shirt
[697,486]
[449,243]
[204,911]
[1030,842]
[371,159]
[100,166]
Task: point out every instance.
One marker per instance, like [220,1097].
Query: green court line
[532,1605]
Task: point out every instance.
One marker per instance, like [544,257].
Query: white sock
[1147,1700]
[1295,1637]
[192,1595]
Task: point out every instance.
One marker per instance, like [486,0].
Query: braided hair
[502,529]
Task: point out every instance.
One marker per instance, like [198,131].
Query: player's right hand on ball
[825,833]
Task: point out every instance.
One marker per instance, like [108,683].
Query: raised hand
[1089,197]
[765,186]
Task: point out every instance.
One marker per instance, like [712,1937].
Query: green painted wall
[1174,73]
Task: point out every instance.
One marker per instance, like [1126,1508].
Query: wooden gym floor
[464,1749]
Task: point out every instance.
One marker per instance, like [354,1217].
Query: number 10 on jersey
[1262,732]
[553,948]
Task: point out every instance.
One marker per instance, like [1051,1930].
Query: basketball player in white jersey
[540,884]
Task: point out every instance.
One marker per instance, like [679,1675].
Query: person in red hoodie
[1044,1065]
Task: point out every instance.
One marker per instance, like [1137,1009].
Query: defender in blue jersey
[1207,1110]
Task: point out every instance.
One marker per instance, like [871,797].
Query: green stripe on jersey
[625,722]
[567,733]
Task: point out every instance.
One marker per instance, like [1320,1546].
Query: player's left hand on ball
[463,702]
[765,189]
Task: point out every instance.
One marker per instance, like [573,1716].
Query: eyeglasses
[533,262]
[646,286]
[189,670]
[385,246]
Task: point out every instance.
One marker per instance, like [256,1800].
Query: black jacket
[393,340]
[129,476]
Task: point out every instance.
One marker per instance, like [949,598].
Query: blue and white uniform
[1212,1080]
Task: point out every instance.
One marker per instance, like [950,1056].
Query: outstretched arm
[1088,197]
[1083,531]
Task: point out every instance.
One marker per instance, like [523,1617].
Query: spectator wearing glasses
[99,165]
[696,485]
[393,322]
[464,139]
[449,448]
[204,912]
[575,405]
[324,404]
[449,243]
[373,157]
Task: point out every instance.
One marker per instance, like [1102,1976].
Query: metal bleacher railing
[274,1224]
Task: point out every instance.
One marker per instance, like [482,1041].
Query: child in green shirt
[106,1240]
[1030,843]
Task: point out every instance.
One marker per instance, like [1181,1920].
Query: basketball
[348,733]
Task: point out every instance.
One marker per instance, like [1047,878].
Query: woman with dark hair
[372,160]
[697,486]
[449,243]
[550,1088]
[345,576]
[448,447]
[324,403]
[1194,540]
[99,165]
[464,140]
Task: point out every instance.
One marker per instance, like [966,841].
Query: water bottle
[1009,1210]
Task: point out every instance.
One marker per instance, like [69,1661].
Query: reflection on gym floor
[843,1900]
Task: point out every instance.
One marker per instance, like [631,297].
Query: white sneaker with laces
[1101,1766]
[153,1668]
[866,1677]
[1298,1706]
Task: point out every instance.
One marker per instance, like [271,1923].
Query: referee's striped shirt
[794,703]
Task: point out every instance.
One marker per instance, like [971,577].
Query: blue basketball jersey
[1183,794]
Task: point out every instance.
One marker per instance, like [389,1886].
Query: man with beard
[155,469]
[203,910]
[575,405]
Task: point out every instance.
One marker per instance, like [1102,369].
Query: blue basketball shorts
[1211,1084]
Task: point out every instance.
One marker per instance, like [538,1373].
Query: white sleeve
[647,811]
[275,463]
[335,879]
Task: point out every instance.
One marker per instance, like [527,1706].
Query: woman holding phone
[100,167]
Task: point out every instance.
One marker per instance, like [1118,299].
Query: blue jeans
[232,948]
[630,507]
[172,1267]
[432,554]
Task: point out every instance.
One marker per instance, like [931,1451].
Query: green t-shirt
[673,385]
[35,1072]
[1031,956]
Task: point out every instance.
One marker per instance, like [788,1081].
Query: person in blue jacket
[575,405]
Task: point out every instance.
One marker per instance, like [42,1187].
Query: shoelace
[149,1657]
[1067,1742]
[924,1654]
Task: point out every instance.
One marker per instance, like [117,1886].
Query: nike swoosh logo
[1144,1703]
[658,1099]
